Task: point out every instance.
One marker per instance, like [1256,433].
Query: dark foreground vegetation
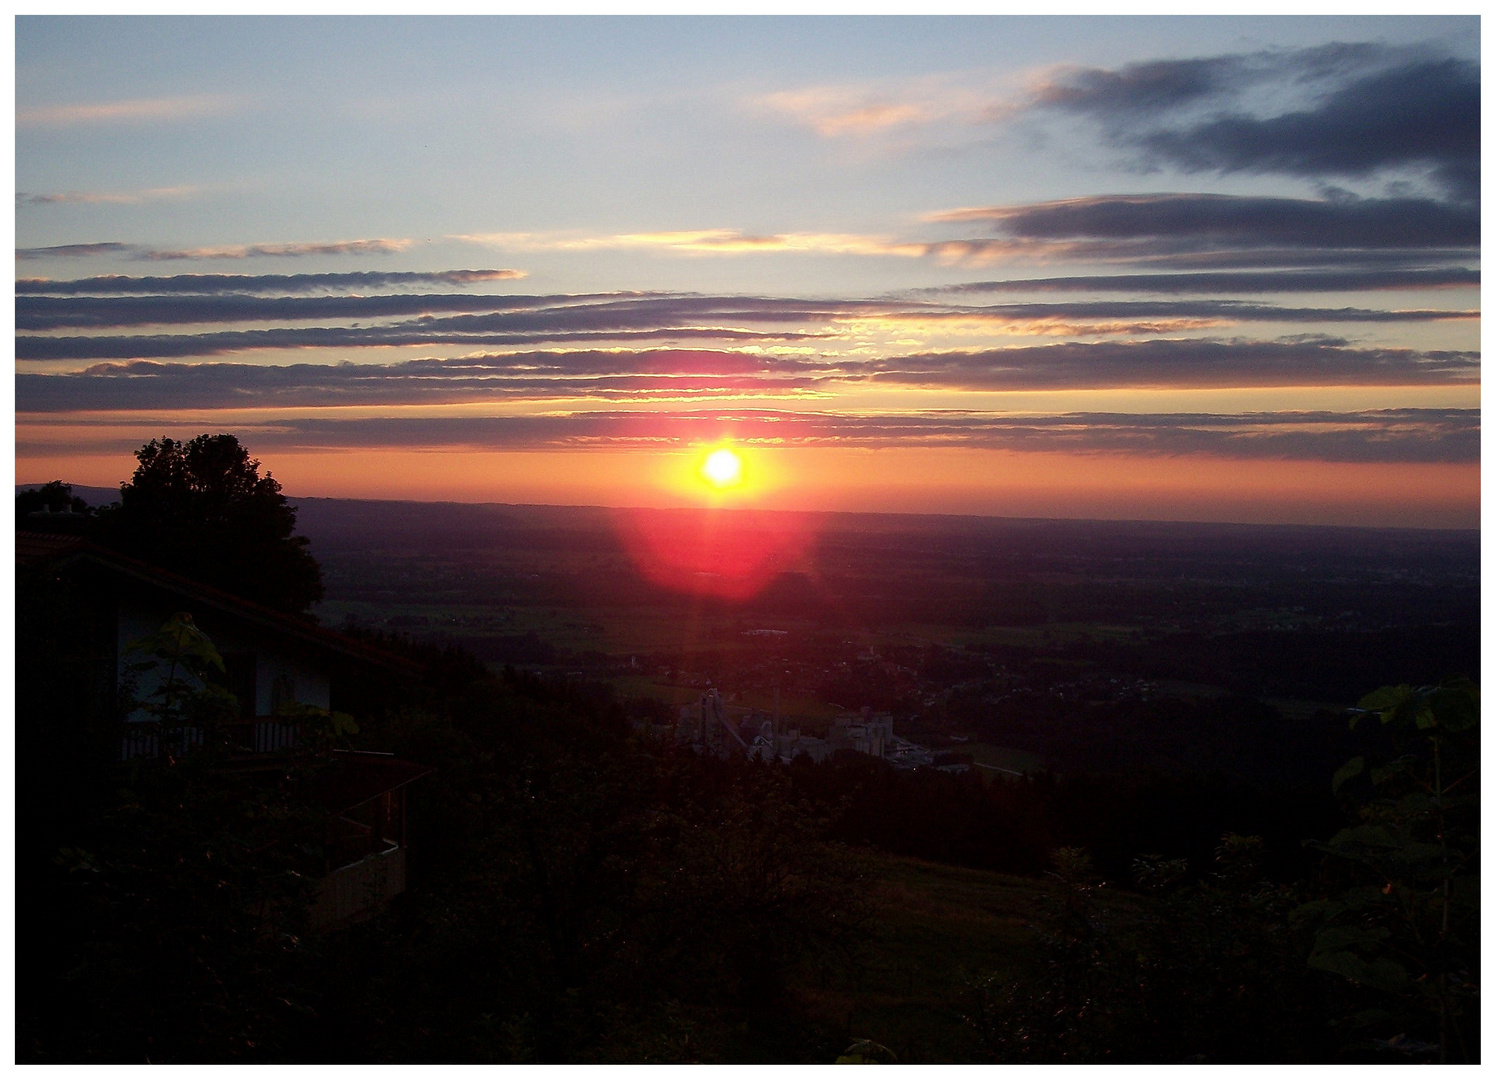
[579,894]
[582,892]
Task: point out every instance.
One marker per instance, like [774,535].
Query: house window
[282,694]
[239,678]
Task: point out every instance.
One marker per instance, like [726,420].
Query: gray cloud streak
[75,251]
[1241,221]
[1177,362]
[1394,435]
[208,284]
[1236,283]
[375,246]
[169,345]
[630,311]
[661,372]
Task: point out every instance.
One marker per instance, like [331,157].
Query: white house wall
[274,660]
[308,684]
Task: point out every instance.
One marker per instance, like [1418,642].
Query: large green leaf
[1379,973]
[1341,937]
[1458,703]
[1385,699]
[1315,911]
[1378,836]
[1350,769]
[1382,773]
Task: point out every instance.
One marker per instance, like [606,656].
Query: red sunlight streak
[713,554]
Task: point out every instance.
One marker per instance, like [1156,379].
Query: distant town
[708,727]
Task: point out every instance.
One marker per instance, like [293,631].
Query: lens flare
[730,555]
[723,468]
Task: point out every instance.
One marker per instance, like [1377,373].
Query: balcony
[359,889]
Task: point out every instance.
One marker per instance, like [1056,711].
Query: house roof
[355,777]
[52,551]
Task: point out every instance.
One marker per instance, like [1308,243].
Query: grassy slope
[935,930]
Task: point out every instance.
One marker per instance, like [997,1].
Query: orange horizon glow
[915,479]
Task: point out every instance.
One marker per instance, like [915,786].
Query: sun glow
[722,468]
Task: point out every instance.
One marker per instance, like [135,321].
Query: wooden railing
[255,737]
[359,889]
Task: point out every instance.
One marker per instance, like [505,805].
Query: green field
[614,631]
[1048,634]
[1003,759]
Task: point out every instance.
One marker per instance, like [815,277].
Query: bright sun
[722,468]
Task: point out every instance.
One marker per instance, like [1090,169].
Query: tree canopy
[55,498]
[202,509]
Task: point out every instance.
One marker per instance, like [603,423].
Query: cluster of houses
[706,727]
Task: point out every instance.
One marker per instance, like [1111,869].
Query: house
[364,794]
[278,666]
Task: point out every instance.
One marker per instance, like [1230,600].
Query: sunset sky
[1200,269]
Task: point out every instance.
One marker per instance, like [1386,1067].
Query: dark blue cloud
[1185,221]
[1421,114]
[1193,230]
[1146,88]
[1365,109]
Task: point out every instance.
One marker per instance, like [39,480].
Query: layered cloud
[615,374]
[487,320]
[1165,230]
[375,246]
[229,341]
[209,284]
[1396,435]
[1146,294]
[1176,363]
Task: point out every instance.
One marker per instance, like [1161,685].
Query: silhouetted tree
[202,509]
[53,508]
